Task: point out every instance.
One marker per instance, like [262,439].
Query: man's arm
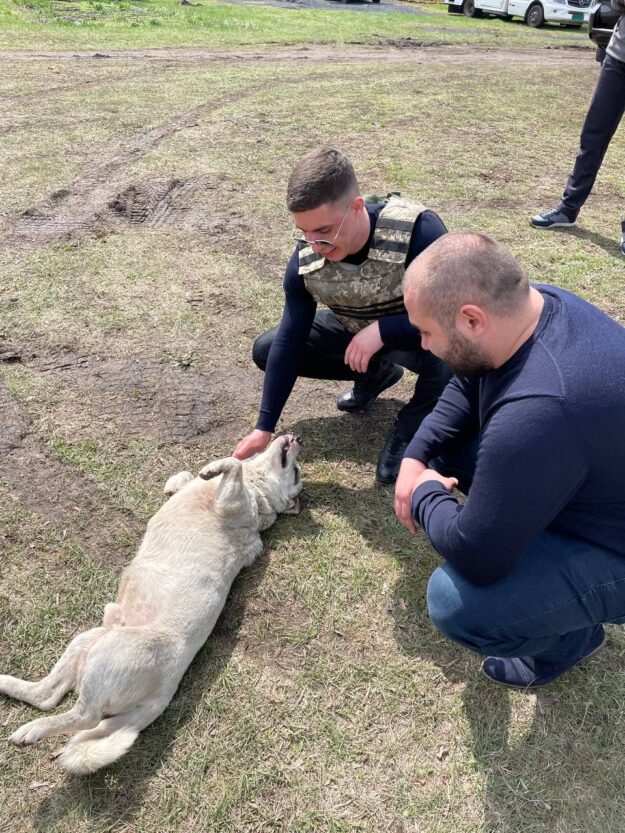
[283,360]
[455,415]
[531,463]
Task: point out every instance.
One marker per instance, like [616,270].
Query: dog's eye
[296,470]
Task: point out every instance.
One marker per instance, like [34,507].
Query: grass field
[142,242]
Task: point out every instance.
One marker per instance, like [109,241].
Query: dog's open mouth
[287,442]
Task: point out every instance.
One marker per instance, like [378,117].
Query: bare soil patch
[147,397]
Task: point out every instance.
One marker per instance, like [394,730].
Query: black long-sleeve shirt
[299,313]
[551,424]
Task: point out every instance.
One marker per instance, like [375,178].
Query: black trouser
[323,357]
[603,117]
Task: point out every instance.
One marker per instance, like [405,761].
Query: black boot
[364,393]
[391,456]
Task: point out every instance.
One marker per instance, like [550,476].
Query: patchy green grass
[324,701]
[98,24]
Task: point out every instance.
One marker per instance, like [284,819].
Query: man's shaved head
[466,268]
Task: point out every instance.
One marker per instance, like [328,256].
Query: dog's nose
[298,440]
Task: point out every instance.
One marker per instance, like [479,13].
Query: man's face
[335,223]
[464,356]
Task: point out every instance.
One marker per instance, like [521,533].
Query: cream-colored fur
[126,671]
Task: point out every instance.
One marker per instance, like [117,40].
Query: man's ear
[472,321]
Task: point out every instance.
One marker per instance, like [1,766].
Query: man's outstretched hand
[412,474]
[254,443]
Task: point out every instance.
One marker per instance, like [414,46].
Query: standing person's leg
[323,356]
[432,377]
[603,117]
[542,618]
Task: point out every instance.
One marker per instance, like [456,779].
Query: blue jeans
[546,607]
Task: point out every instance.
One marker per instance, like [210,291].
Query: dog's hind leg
[65,676]
[83,716]
[91,749]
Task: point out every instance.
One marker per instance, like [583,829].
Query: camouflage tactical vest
[360,294]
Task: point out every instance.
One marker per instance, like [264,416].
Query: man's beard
[466,358]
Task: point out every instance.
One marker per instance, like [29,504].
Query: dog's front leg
[231,493]
[177,481]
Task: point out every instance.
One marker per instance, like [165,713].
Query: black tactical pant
[324,358]
[603,117]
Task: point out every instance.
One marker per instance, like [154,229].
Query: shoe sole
[552,225]
[596,650]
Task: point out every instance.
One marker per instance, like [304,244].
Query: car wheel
[469,10]
[535,16]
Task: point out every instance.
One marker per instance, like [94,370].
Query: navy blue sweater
[551,425]
[299,313]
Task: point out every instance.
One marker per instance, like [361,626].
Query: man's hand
[256,441]
[409,472]
[362,347]
[412,474]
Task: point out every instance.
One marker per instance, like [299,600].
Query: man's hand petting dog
[411,475]
[254,443]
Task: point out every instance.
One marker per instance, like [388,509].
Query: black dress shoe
[390,459]
[364,393]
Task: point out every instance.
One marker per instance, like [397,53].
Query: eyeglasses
[326,244]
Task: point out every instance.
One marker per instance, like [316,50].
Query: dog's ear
[292,507]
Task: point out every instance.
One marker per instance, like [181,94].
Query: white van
[533,12]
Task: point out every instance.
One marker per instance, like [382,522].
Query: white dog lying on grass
[127,671]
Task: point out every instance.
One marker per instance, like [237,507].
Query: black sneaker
[390,459]
[556,218]
[364,393]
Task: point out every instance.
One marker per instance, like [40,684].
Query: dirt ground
[144,396]
[107,393]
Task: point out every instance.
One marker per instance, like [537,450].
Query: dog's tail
[93,749]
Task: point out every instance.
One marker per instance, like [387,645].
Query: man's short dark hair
[323,176]
[467,268]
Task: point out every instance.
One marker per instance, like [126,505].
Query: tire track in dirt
[79,86]
[408,50]
[83,208]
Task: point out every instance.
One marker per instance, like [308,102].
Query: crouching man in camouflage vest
[351,257]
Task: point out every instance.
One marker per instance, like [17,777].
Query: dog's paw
[26,735]
[227,464]
[176,482]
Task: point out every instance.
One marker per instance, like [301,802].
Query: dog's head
[277,477]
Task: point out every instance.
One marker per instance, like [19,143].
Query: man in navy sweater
[531,429]
[351,257]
